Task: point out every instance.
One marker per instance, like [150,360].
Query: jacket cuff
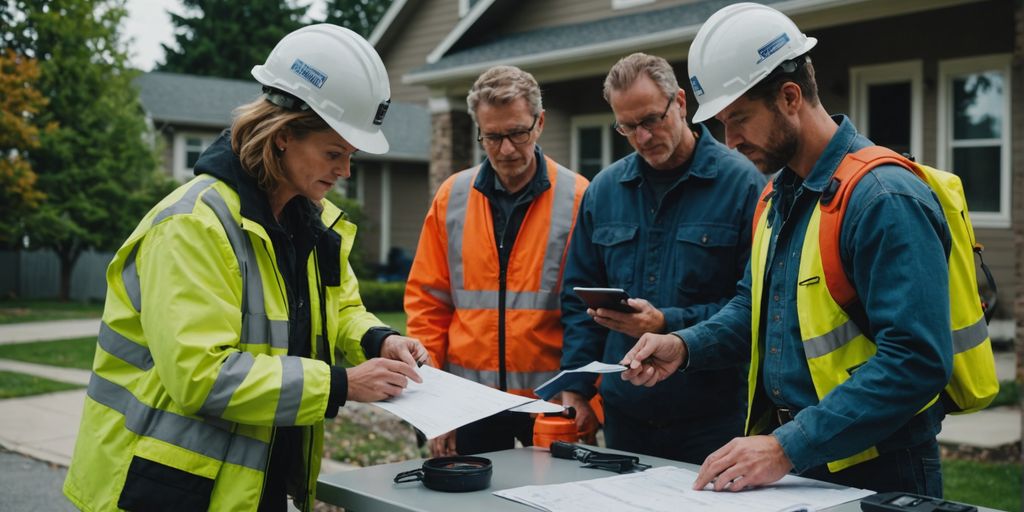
[339,391]
[374,338]
[696,339]
[796,446]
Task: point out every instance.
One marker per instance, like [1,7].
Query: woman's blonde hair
[253,131]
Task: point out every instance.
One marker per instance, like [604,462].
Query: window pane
[978,101]
[889,116]
[589,156]
[191,157]
[979,169]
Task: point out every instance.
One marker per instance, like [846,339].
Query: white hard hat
[736,48]
[338,74]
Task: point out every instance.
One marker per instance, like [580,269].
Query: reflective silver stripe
[831,341]
[441,295]
[232,372]
[256,327]
[455,223]
[515,380]
[124,349]
[547,298]
[970,336]
[187,203]
[558,233]
[291,391]
[488,299]
[181,431]
[130,278]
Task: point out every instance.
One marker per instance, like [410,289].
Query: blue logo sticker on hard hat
[697,89]
[773,46]
[309,73]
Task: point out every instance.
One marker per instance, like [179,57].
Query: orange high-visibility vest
[452,296]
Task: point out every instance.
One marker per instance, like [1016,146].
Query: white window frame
[179,171]
[862,77]
[949,69]
[626,4]
[603,121]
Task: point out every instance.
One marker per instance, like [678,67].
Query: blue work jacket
[894,245]
[684,255]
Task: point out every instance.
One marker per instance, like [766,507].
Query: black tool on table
[451,474]
[907,502]
[597,460]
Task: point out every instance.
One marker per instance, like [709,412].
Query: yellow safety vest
[191,370]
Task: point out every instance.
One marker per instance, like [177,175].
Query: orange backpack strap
[762,202]
[834,201]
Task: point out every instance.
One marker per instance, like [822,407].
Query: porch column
[451,142]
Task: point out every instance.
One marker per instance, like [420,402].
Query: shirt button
[652,210]
[704,239]
[776,298]
[776,392]
[776,318]
[774,350]
[779,264]
[651,278]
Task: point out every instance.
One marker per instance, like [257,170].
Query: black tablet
[609,298]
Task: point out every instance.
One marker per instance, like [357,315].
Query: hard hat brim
[370,142]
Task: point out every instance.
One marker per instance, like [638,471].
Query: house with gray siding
[188,112]
[940,79]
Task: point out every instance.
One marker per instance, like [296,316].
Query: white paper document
[444,402]
[566,378]
[669,489]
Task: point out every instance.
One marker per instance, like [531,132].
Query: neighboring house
[941,79]
[188,112]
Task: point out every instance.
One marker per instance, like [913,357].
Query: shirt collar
[843,141]
[487,179]
[700,165]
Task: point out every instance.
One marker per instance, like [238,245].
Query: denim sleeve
[723,340]
[894,247]
[583,339]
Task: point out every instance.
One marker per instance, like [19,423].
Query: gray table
[371,489]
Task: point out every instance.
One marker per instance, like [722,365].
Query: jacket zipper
[502,288]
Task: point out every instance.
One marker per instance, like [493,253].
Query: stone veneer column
[1017,180]
[451,139]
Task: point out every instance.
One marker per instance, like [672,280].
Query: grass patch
[74,353]
[13,385]
[17,311]
[365,436]
[394,319]
[994,485]
[1009,394]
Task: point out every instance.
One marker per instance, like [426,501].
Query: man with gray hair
[670,224]
[483,292]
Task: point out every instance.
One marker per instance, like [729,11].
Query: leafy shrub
[380,296]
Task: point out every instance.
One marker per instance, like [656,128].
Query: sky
[148,26]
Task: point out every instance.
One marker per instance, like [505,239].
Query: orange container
[547,429]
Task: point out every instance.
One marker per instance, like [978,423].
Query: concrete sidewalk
[51,330]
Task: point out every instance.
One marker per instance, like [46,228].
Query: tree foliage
[96,167]
[226,38]
[361,16]
[20,104]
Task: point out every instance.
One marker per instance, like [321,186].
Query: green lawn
[15,311]
[14,385]
[74,353]
[994,485]
[395,319]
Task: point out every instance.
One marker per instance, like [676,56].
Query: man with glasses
[670,224]
[482,294]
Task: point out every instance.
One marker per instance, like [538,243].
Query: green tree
[96,167]
[361,16]
[20,104]
[226,38]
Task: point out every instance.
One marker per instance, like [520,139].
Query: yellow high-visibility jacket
[191,373]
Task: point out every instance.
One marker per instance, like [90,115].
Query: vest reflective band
[547,297]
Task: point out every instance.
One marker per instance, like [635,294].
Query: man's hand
[403,348]
[744,462]
[646,318]
[443,445]
[379,378]
[653,359]
[586,420]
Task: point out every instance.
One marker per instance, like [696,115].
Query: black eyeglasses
[517,138]
[649,123]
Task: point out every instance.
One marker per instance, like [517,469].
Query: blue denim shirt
[894,246]
[684,256]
